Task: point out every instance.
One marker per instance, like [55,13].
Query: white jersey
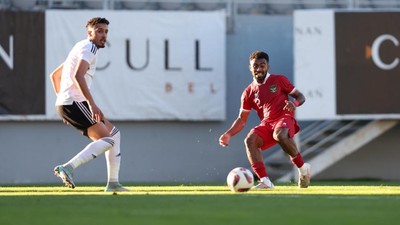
[69,90]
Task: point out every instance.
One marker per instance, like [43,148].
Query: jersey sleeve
[286,85]
[245,100]
[87,54]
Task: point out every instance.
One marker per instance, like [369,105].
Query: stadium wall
[181,151]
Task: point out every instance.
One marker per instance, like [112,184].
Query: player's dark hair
[96,20]
[259,55]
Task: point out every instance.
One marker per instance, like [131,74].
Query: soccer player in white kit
[76,106]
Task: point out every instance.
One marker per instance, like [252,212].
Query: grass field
[325,203]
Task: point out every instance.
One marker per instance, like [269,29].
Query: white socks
[90,152]
[303,170]
[110,146]
[113,157]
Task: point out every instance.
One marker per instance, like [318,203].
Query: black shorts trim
[77,115]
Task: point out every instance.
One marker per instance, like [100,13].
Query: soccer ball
[240,179]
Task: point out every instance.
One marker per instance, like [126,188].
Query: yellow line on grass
[202,190]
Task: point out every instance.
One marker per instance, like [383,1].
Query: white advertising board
[314,68]
[157,65]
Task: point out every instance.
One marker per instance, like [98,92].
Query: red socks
[298,160]
[259,169]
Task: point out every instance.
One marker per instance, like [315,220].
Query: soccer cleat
[262,185]
[65,175]
[304,180]
[115,187]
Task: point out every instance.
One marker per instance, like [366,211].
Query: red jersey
[268,98]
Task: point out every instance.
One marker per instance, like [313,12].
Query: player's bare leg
[102,142]
[289,147]
[254,155]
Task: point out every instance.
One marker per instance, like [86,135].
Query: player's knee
[247,141]
[280,135]
[250,141]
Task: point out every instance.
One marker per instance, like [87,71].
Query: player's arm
[299,97]
[236,127]
[299,100]
[79,77]
[55,78]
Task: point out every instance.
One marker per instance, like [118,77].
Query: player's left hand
[290,106]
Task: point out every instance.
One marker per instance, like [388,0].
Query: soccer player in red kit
[268,95]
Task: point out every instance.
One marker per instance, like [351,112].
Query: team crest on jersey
[273,88]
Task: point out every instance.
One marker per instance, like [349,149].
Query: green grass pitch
[325,203]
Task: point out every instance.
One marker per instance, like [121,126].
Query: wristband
[296,103]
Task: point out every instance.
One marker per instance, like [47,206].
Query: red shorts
[266,130]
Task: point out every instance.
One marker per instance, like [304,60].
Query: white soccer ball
[240,179]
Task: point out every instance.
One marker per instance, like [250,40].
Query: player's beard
[260,76]
[100,44]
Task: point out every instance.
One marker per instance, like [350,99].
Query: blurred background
[172,75]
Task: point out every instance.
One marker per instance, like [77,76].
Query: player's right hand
[97,114]
[224,140]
